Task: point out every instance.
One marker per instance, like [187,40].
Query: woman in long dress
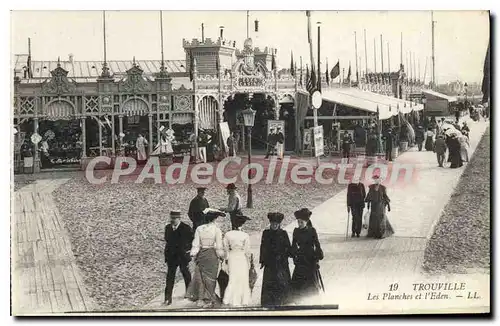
[454,152]
[306,252]
[237,249]
[377,202]
[464,148]
[206,251]
[275,250]
[140,144]
[429,140]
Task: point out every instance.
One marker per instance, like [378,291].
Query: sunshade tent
[369,102]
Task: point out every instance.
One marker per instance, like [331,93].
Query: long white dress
[237,248]
[140,144]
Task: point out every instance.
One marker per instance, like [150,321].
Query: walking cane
[347,227]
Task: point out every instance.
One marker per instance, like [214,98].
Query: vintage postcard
[209,163]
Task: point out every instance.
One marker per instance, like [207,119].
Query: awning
[59,110]
[135,107]
[182,118]
[369,102]
[440,95]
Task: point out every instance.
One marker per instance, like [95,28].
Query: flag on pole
[307,74]
[300,81]
[327,75]
[292,66]
[312,82]
[191,66]
[217,66]
[335,71]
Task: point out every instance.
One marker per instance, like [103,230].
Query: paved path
[45,277]
[415,208]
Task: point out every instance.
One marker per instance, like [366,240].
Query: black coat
[178,244]
[356,194]
[274,252]
[196,208]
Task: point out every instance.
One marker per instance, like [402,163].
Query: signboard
[318,141]
[277,127]
[224,132]
[36,138]
[274,126]
[307,141]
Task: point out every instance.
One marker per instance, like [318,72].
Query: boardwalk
[45,277]
[415,210]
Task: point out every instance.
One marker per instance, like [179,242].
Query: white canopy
[369,101]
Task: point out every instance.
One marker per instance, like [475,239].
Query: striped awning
[59,110]
[182,118]
[135,107]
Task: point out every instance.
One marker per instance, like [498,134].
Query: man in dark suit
[389,143]
[356,194]
[196,208]
[178,241]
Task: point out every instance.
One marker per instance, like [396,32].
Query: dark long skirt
[379,226]
[429,144]
[202,286]
[305,281]
[276,285]
[456,159]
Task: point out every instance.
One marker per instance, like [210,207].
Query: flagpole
[356,54]
[319,56]
[382,53]
[388,58]
[309,38]
[401,59]
[366,53]
[162,67]
[375,55]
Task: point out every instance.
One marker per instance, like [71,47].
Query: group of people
[445,137]
[226,259]
[378,204]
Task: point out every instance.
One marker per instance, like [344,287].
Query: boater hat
[275,217]
[303,214]
[231,186]
[175,214]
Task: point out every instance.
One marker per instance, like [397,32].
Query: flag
[335,71]
[301,71]
[256,25]
[291,65]
[307,75]
[327,75]
[273,63]
[217,66]
[349,73]
[312,82]
[485,85]
[191,66]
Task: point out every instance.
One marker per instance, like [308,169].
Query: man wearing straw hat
[178,241]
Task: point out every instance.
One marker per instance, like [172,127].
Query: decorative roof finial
[133,62]
[58,62]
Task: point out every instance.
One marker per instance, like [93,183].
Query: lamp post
[249,119]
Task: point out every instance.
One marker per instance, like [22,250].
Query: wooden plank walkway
[45,277]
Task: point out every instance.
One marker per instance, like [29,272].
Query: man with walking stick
[356,194]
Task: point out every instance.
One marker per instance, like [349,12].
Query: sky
[461,37]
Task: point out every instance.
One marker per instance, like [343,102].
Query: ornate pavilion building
[84,109]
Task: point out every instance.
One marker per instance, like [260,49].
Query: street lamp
[249,120]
